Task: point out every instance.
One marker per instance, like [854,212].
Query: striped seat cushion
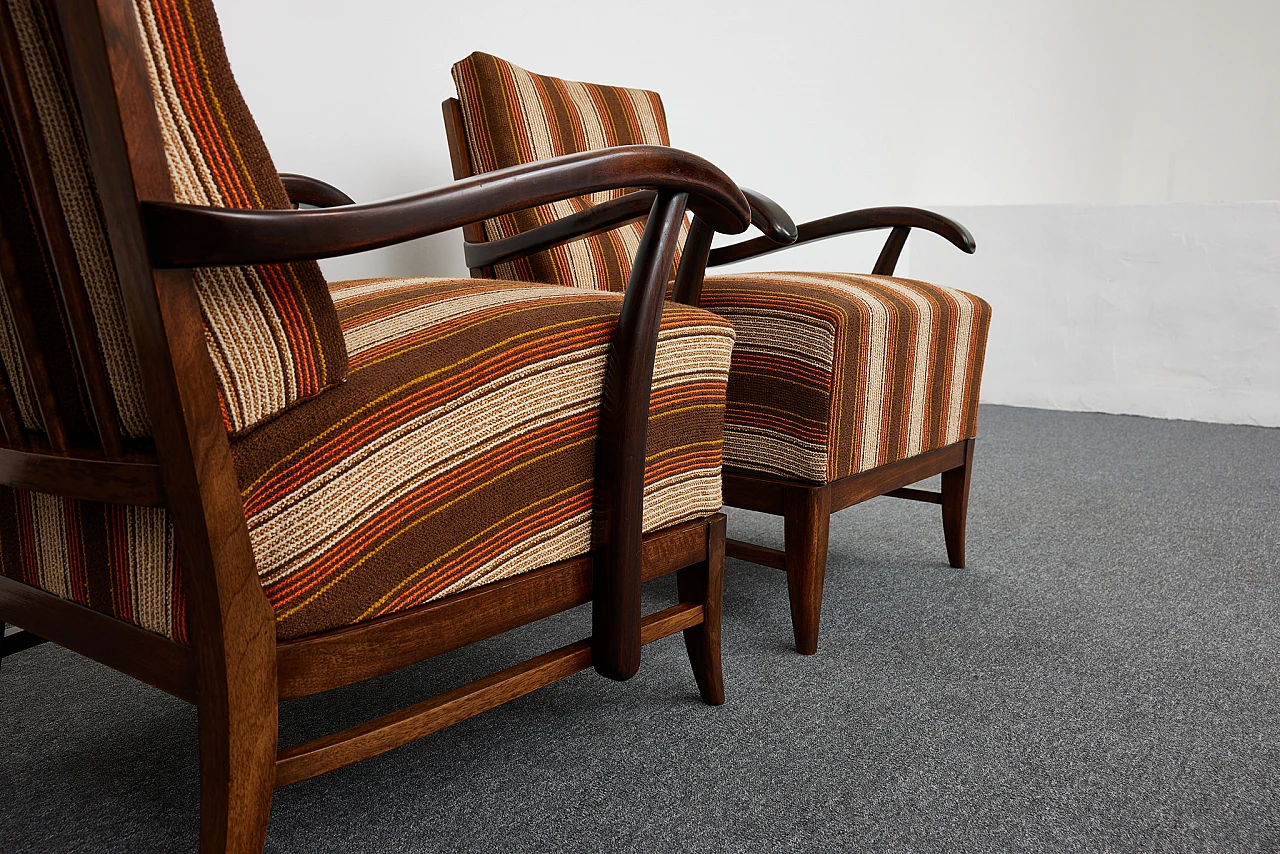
[460,449]
[458,452]
[513,117]
[834,374]
[272,330]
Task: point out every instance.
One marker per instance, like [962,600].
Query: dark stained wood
[762,555]
[869,219]
[754,491]
[460,157]
[195,236]
[121,646]
[422,719]
[57,238]
[14,292]
[231,623]
[702,584]
[620,449]
[807,508]
[955,505]
[113,481]
[806,523]
[916,495]
[305,190]
[330,660]
[887,261]
[693,263]
[10,419]
[858,488]
[771,218]
[606,216]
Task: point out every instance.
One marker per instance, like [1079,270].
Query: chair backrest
[120,383]
[272,330]
[509,117]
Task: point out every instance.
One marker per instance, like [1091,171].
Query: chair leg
[704,582]
[238,742]
[807,524]
[955,506]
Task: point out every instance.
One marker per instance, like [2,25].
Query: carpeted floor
[1104,677]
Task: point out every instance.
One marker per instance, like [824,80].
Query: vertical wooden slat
[28,341]
[10,419]
[57,237]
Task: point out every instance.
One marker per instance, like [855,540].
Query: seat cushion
[834,373]
[513,117]
[460,449]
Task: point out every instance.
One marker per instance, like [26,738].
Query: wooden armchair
[238,483]
[844,387]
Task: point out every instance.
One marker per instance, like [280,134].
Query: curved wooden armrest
[766,215]
[305,190]
[770,217]
[196,236]
[868,219]
[595,219]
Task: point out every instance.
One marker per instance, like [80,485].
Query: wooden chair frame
[235,671]
[806,507]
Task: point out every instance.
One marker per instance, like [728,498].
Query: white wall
[833,105]
[1168,310]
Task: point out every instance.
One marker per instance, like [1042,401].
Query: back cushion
[272,330]
[512,117]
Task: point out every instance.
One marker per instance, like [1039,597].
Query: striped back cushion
[272,330]
[513,117]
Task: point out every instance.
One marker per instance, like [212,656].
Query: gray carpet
[1103,677]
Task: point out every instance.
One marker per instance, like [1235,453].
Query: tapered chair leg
[704,583]
[955,506]
[806,524]
[238,742]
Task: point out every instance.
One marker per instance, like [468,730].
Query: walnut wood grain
[113,481]
[145,656]
[322,662]
[762,555]
[422,719]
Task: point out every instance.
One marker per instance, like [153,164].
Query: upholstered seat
[460,449]
[843,386]
[836,373]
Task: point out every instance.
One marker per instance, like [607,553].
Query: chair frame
[235,671]
[806,507]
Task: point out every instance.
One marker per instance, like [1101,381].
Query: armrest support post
[620,457]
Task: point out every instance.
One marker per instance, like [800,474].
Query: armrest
[768,216]
[595,219]
[868,219]
[196,236]
[304,190]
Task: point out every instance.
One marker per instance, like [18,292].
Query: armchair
[241,484]
[843,387]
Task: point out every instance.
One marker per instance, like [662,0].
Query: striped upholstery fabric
[272,330]
[460,449]
[458,452]
[514,117]
[834,374]
[113,558]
